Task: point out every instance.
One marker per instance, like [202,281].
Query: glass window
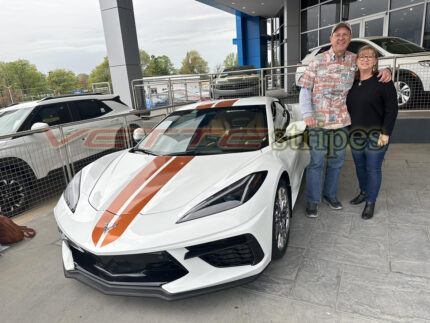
[330,13]
[403,3]
[309,40]
[89,109]
[308,3]
[281,120]
[310,19]
[53,115]
[325,35]
[407,23]
[354,46]
[355,30]
[397,45]
[356,9]
[426,40]
[11,120]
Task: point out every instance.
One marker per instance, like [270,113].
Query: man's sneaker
[312,210]
[333,202]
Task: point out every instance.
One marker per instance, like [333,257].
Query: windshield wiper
[135,149]
[195,153]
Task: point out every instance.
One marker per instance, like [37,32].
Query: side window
[281,119]
[52,114]
[324,49]
[88,109]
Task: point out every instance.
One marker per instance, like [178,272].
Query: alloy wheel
[12,196]
[282,218]
[403,93]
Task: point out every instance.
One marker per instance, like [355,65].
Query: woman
[373,108]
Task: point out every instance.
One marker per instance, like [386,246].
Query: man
[324,87]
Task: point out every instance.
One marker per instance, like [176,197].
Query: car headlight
[71,194]
[228,198]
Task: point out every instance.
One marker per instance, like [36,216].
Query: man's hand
[383,140]
[384,75]
[310,122]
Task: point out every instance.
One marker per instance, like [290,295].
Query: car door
[290,150]
[98,137]
[47,149]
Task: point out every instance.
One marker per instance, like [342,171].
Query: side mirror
[39,125]
[138,134]
[295,128]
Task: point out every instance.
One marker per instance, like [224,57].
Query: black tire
[281,220]
[15,191]
[409,90]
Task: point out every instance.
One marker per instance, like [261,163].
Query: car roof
[59,99]
[255,100]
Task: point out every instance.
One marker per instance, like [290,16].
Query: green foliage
[159,66]
[145,60]
[100,73]
[193,63]
[83,83]
[62,81]
[230,60]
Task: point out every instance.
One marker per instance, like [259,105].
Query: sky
[69,33]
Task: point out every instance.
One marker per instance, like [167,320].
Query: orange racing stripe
[144,196]
[225,104]
[204,106]
[125,194]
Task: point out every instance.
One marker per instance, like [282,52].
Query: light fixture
[243,7]
[262,3]
[233,3]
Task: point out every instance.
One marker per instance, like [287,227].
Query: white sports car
[203,202]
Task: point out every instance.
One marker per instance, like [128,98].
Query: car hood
[153,184]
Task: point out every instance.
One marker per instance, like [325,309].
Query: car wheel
[408,90]
[281,220]
[14,193]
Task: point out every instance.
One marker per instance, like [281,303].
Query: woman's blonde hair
[375,52]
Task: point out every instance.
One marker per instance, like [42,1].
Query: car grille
[156,267]
[236,251]
[252,85]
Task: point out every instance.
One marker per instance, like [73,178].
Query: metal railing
[35,165]
[410,74]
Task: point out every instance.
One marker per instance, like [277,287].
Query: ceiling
[263,8]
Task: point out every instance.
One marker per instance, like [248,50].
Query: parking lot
[338,267]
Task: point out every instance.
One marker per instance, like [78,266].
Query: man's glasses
[366,57]
[341,35]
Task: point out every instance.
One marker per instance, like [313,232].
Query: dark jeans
[325,143]
[368,158]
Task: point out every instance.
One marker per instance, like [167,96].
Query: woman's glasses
[366,57]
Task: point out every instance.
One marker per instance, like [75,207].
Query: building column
[251,40]
[121,42]
[292,38]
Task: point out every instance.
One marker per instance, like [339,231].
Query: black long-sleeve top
[372,105]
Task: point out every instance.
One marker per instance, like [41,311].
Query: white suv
[412,76]
[27,159]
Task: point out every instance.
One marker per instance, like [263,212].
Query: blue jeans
[368,158]
[322,143]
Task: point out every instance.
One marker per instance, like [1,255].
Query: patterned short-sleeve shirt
[330,80]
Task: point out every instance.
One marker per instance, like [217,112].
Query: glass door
[370,26]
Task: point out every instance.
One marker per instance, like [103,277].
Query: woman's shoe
[360,198]
[368,211]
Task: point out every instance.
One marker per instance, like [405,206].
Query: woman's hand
[383,140]
[310,122]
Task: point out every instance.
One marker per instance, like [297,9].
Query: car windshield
[238,70]
[209,131]
[398,46]
[11,120]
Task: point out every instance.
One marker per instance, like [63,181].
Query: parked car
[412,76]
[25,159]
[204,201]
[238,81]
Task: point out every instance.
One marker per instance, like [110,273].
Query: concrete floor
[338,268]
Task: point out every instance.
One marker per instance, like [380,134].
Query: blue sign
[77,92]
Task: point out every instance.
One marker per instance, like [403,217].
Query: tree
[100,73]
[193,63]
[145,60]
[230,60]
[62,81]
[83,81]
[218,68]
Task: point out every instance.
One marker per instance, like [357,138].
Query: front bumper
[104,272]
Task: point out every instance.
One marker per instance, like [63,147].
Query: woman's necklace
[364,79]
